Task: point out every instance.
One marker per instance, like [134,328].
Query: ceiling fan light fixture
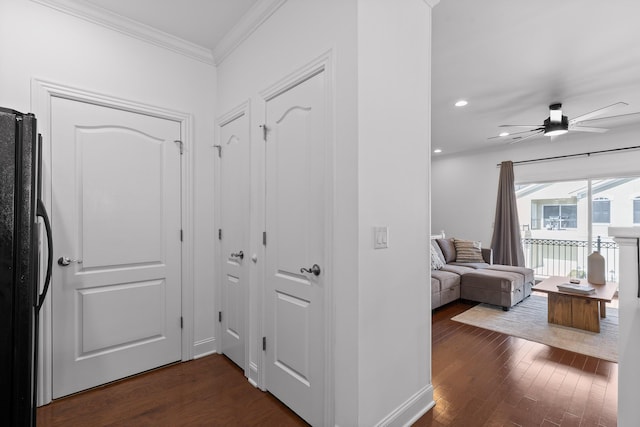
[555,132]
[555,113]
[555,129]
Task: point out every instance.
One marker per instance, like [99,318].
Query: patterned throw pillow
[468,251]
[436,261]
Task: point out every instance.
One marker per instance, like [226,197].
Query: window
[636,210]
[601,210]
[563,220]
[560,217]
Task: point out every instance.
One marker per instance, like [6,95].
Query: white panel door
[295,221]
[234,223]
[116,216]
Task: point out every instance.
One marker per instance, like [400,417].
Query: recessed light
[461,103]
[437,150]
[504,134]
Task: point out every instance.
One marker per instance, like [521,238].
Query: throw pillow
[448,249]
[435,247]
[436,261]
[468,251]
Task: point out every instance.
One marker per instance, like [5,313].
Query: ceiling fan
[558,124]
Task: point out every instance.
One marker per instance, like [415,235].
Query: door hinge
[264,132]
[219,148]
[264,343]
[180,145]
[219,233]
[181,322]
[264,238]
[181,235]
[219,316]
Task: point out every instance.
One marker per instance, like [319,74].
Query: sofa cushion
[492,281]
[527,273]
[457,269]
[474,265]
[448,249]
[500,288]
[437,259]
[468,251]
[487,254]
[447,279]
[435,285]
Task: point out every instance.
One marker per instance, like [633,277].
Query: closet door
[234,158]
[296,141]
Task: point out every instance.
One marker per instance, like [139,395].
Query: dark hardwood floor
[480,378]
[485,378]
[211,391]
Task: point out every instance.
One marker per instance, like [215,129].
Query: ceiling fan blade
[596,113]
[519,126]
[628,116]
[526,131]
[516,133]
[518,140]
[588,129]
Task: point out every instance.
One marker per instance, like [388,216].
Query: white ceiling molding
[432,3]
[257,15]
[129,27]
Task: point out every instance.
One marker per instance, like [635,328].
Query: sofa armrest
[487,255]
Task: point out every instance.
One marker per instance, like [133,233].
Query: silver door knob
[315,270]
[65,261]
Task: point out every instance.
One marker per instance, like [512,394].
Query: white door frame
[42,92]
[323,63]
[243,109]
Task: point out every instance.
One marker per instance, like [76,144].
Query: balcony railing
[552,257]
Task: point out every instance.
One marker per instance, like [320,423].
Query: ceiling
[203,22]
[510,59]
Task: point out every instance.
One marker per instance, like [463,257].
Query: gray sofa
[480,281]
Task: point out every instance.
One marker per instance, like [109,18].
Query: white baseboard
[253,375]
[204,348]
[409,412]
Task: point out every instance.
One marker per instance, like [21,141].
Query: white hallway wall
[42,43]
[380,71]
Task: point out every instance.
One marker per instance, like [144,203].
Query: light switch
[380,237]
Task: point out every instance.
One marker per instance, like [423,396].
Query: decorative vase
[595,268]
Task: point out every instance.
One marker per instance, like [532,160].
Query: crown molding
[256,16]
[129,27]
[432,3]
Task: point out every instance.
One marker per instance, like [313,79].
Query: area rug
[528,320]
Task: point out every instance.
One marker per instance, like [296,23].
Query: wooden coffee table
[576,310]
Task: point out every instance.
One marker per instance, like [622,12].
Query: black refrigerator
[21,295]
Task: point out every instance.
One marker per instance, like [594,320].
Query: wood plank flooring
[480,378]
[485,378]
[211,391]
